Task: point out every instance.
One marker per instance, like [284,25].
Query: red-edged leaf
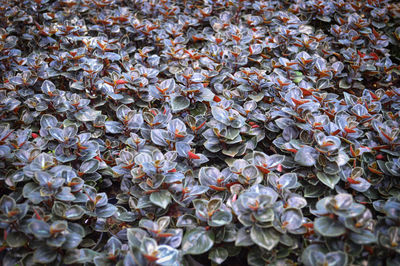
[6,136]
[281,83]
[292,150]
[202,124]
[352,181]
[177,135]
[308,225]
[375,171]
[263,170]
[232,183]
[389,138]
[121,81]
[150,257]
[217,188]
[374,56]
[165,235]
[306,92]
[37,214]
[216,99]
[349,130]
[353,153]
[299,102]
[193,155]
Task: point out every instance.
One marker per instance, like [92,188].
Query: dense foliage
[177,132]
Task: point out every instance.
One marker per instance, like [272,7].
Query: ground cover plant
[199,132]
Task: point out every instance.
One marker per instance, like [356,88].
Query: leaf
[48,88]
[39,228]
[366,237]
[72,241]
[65,194]
[221,217]
[243,238]
[106,211]
[220,115]
[197,241]
[267,238]
[7,204]
[159,136]
[44,254]
[179,103]
[336,258]
[87,115]
[16,239]
[75,212]
[135,236]
[114,127]
[313,255]
[186,220]
[218,255]
[161,198]
[328,227]
[361,186]
[57,133]
[167,255]
[305,156]
[292,218]
[80,256]
[89,167]
[288,180]
[209,175]
[328,180]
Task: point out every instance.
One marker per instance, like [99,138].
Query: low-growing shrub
[199,132]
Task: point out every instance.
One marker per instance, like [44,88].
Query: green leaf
[343,84]
[16,239]
[7,204]
[305,156]
[135,236]
[80,256]
[336,258]
[72,241]
[167,255]
[199,109]
[87,115]
[366,237]
[75,212]
[221,115]
[186,220]
[328,180]
[243,238]
[39,228]
[161,198]
[179,103]
[106,211]
[298,76]
[292,217]
[267,238]
[218,255]
[65,194]
[314,254]
[44,254]
[328,227]
[220,218]
[56,242]
[197,241]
